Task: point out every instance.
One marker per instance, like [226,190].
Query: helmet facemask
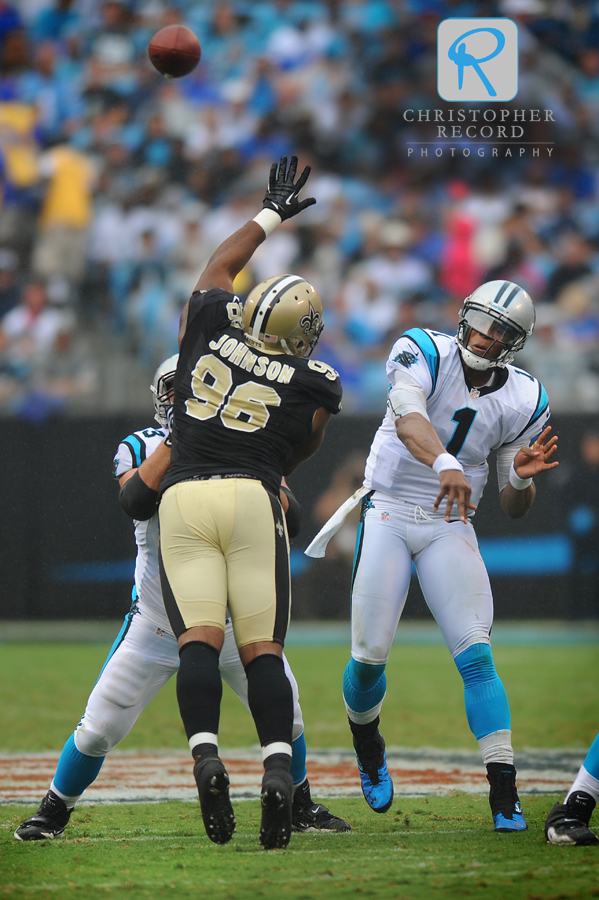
[507,337]
[500,311]
[162,387]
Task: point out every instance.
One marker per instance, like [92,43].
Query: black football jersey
[237,410]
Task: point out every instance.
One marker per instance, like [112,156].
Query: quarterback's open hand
[456,487]
[529,461]
[282,194]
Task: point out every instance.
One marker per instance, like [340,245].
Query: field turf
[427,847]
[552,691]
[435,847]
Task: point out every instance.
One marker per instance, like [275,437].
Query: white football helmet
[502,311]
[162,387]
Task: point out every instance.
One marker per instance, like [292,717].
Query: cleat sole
[213,790]
[276,827]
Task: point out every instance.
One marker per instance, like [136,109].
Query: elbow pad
[406,398]
[293,516]
[137,499]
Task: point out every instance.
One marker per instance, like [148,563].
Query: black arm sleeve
[293,515]
[137,499]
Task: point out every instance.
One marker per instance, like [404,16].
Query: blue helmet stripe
[429,350]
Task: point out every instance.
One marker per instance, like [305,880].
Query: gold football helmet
[283,315]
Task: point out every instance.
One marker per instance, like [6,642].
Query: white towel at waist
[319,544]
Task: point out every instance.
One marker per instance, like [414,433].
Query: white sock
[497,747]
[585,782]
[68,801]
[299,784]
[202,737]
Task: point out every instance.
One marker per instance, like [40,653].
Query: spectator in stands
[9,285]
[61,245]
[28,332]
[574,255]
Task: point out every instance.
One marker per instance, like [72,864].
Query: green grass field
[552,690]
[424,847]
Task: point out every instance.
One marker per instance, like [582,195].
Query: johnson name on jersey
[238,411]
[130,454]
[511,412]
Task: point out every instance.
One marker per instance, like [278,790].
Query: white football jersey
[470,423]
[130,455]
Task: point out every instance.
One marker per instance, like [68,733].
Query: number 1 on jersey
[464,418]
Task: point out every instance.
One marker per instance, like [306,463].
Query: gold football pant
[224,543]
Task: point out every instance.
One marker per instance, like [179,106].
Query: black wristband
[137,499]
[293,516]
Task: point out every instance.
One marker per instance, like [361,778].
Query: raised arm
[281,202]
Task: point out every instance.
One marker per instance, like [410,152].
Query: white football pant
[143,662]
[450,569]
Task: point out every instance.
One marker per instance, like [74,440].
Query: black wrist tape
[137,499]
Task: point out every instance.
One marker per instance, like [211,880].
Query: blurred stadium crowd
[117,184]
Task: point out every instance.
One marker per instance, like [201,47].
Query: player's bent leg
[271,703]
[379,590]
[364,688]
[456,586]
[127,683]
[488,714]
[199,693]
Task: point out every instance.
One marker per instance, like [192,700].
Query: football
[175,51]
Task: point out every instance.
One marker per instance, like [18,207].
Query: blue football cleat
[516,823]
[503,798]
[377,786]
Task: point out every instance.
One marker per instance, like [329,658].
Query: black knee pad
[270,699]
[199,688]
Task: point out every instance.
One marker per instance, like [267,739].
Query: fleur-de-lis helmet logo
[310,321]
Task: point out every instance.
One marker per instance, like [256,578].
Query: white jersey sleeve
[135,448]
[416,356]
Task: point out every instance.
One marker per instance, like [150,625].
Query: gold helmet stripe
[267,303]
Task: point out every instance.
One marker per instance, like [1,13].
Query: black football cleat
[213,790]
[49,821]
[276,800]
[309,816]
[506,808]
[568,823]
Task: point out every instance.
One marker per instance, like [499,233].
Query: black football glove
[282,194]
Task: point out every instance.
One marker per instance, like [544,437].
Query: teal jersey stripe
[542,404]
[429,350]
[136,447]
